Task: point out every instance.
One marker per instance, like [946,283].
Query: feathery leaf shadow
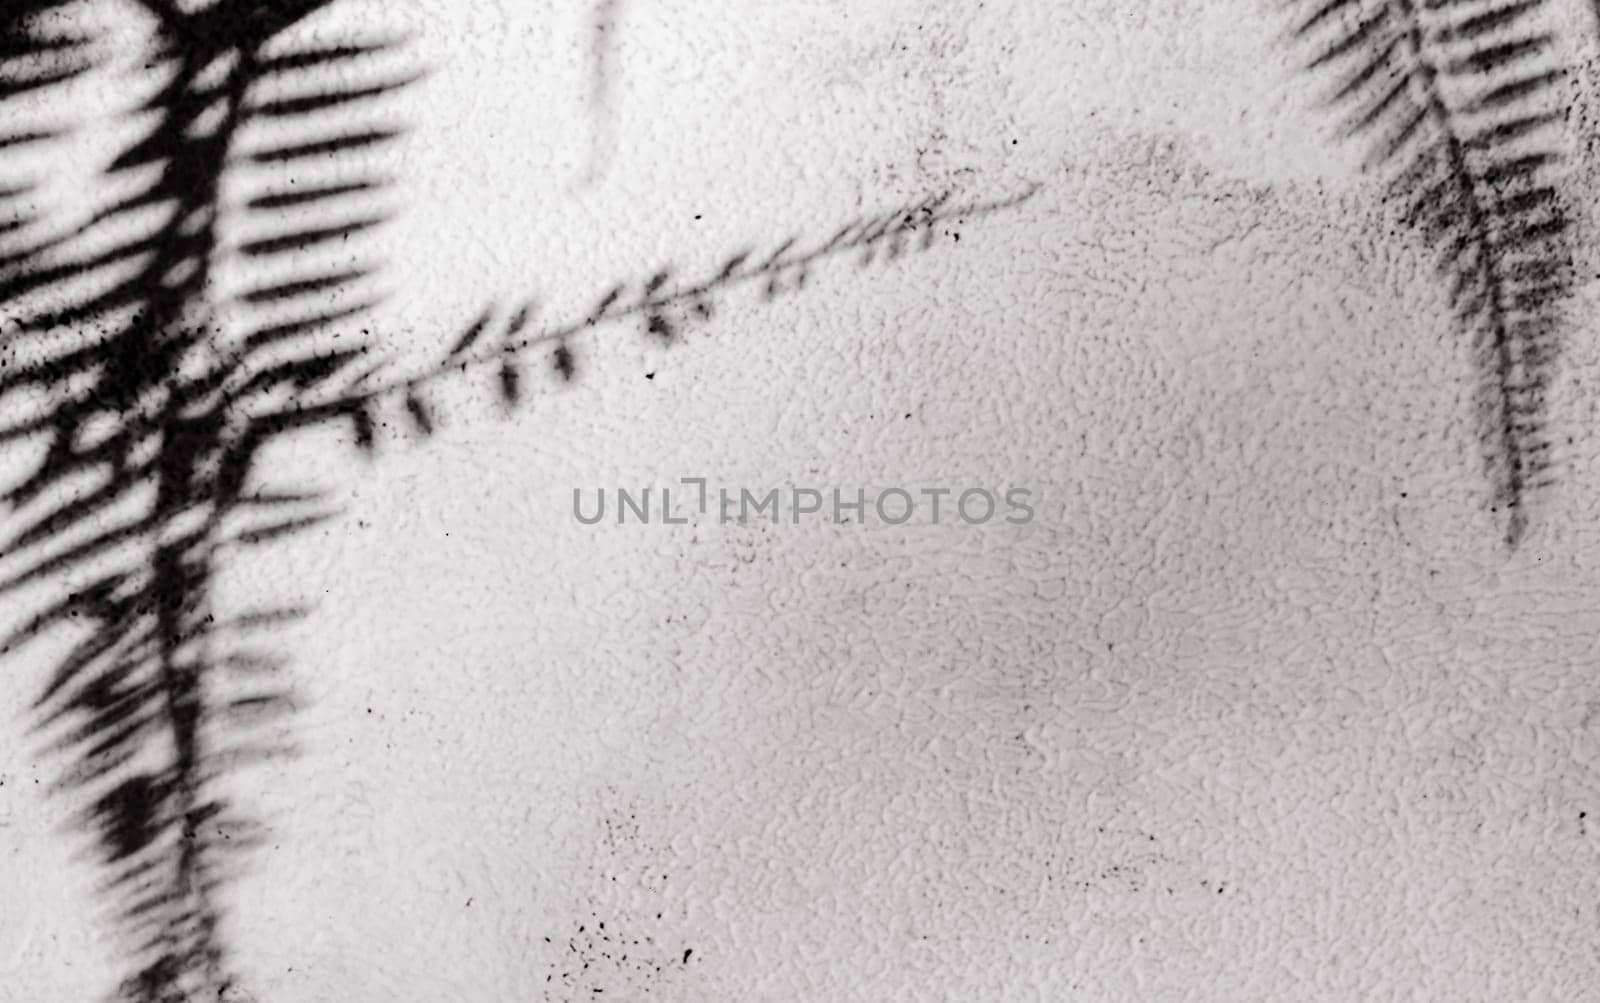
[1456,102]
[120,328]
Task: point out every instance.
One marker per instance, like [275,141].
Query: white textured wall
[1254,710]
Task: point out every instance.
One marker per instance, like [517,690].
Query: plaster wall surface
[1255,708]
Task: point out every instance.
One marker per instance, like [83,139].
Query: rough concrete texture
[1256,709]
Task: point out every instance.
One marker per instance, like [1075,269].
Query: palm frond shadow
[147,388]
[1458,104]
[137,363]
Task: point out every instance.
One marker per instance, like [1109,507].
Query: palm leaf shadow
[1457,102]
[149,390]
[141,366]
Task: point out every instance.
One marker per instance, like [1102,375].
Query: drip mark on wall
[599,101]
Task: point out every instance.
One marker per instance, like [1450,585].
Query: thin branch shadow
[500,341]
